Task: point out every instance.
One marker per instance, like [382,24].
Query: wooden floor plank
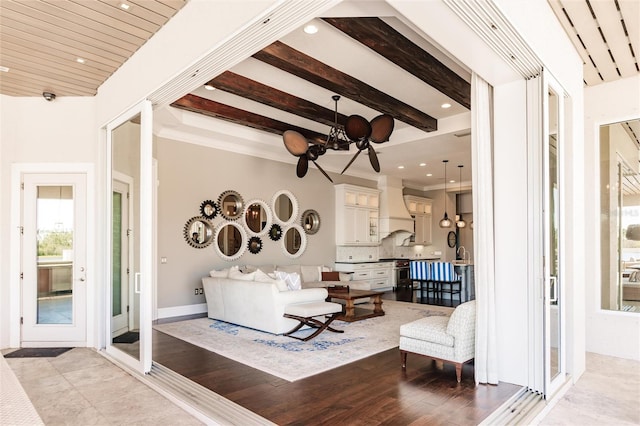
[371,391]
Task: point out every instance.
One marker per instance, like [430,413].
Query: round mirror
[275,232]
[294,241]
[198,232]
[257,217]
[231,205]
[209,209]
[310,221]
[285,207]
[255,245]
[231,240]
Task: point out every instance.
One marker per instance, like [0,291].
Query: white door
[54,286]
[122,312]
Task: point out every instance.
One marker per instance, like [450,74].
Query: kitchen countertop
[363,261]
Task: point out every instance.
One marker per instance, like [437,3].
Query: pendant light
[445,222]
[460,223]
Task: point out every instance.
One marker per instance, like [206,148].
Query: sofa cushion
[429,329]
[222,273]
[237,275]
[261,276]
[291,279]
[310,273]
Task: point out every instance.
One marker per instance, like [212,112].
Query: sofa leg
[403,359]
[458,371]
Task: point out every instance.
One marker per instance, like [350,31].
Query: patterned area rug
[292,359]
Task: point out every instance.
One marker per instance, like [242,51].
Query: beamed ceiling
[376,64]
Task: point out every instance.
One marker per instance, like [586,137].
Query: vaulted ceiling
[376,65]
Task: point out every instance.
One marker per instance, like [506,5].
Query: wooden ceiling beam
[378,36]
[247,88]
[215,109]
[297,63]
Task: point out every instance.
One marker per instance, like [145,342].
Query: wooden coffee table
[352,313]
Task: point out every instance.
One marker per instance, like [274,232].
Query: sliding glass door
[130,210]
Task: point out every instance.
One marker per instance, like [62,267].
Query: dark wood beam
[256,91]
[215,109]
[297,63]
[389,43]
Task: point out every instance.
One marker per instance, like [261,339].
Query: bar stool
[446,280]
[420,271]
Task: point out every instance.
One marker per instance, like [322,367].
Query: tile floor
[80,387]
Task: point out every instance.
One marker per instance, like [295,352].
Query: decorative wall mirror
[255,245]
[209,209]
[257,217]
[198,232]
[294,241]
[285,207]
[231,205]
[310,221]
[230,240]
[275,232]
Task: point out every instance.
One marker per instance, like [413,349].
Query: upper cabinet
[420,210]
[357,212]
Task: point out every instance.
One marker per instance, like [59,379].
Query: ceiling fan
[357,130]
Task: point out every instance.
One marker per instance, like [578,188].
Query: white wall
[36,131]
[190,174]
[608,332]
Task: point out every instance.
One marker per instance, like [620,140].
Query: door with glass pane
[54,286]
[554,330]
[130,224]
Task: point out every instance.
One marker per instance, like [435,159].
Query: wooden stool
[304,312]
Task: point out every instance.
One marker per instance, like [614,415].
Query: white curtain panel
[486,361]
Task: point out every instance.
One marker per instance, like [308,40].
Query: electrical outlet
[200,291]
[196,292]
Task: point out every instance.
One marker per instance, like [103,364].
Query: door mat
[128,337]
[37,353]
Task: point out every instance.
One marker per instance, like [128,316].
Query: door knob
[81,278]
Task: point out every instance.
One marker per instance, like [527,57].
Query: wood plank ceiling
[71,47]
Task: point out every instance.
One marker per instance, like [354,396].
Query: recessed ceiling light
[429,174]
[209,87]
[4,69]
[401,167]
[423,164]
[124,6]
[445,105]
[310,29]
[80,60]
[452,181]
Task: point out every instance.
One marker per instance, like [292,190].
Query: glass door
[130,201]
[554,331]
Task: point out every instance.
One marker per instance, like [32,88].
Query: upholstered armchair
[447,339]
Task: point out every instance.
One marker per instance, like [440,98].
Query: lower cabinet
[368,276]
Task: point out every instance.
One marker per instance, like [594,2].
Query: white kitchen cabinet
[368,276]
[420,210]
[357,211]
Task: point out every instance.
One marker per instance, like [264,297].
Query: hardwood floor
[372,391]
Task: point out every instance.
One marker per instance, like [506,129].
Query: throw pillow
[331,276]
[263,277]
[237,275]
[223,273]
[345,276]
[291,279]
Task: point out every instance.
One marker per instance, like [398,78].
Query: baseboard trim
[178,311]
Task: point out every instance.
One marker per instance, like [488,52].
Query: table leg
[350,310]
[377,302]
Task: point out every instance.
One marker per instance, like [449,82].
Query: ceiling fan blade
[352,160]
[323,172]
[303,166]
[295,143]
[381,128]
[373,159]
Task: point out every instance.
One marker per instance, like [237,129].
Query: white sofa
[310,275]
[255,304]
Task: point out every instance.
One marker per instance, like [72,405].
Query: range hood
[395,220]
